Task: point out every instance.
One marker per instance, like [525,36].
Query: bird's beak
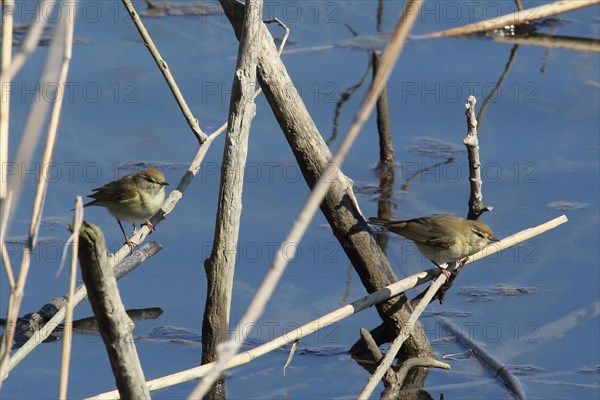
[164,184]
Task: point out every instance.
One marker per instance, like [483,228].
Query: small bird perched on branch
[442,238]
[134,198]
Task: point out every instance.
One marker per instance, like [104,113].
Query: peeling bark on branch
[114,324]
[220,266]
[313,155]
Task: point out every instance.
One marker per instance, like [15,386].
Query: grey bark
[220,266]
[312,155]
[114,324]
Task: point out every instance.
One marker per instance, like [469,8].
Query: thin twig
[291,355]
[420,362]
[343,312]
[519,5]
[476,207]
[164,68]
[393,379]
[344,97]
[435,167]
[498,86]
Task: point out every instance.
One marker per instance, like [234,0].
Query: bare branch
[343,312]
[520,17]
[320,189]
[38,335]
[476,207]
[220,266]
[164,68]
[406,331]
[114,324]
[393,380]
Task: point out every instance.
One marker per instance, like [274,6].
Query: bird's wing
[111,192]
[417,230]
[440,241]
[420,231]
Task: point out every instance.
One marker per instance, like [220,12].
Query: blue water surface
[539,140]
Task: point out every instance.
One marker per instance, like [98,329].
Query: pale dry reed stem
[55,71]
[68,326]
[341,313]
[519,17]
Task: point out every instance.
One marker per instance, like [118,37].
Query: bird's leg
[447,285]
[128,242]
[442,270]
[149,225]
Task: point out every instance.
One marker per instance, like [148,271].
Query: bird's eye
[481,235]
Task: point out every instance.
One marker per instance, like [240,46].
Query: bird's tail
[91,203]
[378,221]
